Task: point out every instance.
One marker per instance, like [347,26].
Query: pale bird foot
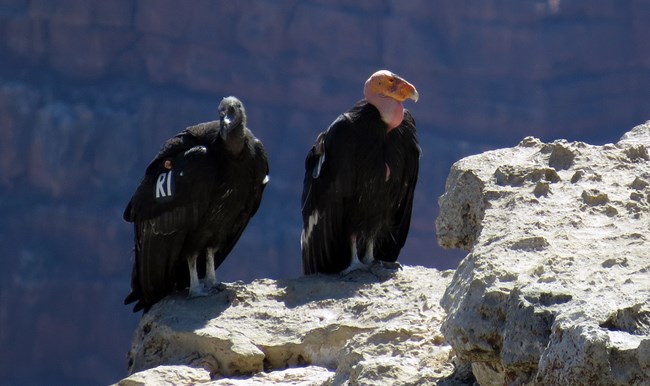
[209,284]
[391,265]
[356,265]
[197,292]
[384,270]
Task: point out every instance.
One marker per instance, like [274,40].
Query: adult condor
[359,181]
[193,204]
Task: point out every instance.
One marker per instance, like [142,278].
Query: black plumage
[193,204]
[358,190]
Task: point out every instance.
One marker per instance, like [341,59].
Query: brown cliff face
[88,92]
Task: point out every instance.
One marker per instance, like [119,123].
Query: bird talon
[391,265]
[209,284]
[197,293]
[213,287]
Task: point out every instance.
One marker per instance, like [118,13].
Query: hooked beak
[225,127]
[415,95]
[403,90]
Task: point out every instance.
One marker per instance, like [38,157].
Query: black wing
[328,179]
[258,172]
[153,197]
[164,208]
[403,157]
[261,163]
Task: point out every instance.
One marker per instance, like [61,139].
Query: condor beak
[225,127]
[415,95]
[403,90]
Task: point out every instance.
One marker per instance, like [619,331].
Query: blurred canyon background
[89,90]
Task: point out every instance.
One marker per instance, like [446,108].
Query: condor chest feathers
[234,185]
[365,167]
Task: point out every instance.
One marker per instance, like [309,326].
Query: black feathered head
[232,115]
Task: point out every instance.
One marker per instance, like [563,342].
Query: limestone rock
[556,287]
[167,376]
[365,328]
[186,375]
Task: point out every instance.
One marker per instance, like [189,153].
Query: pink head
[386,91]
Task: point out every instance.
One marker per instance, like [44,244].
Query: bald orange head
[385,83]
[386,91]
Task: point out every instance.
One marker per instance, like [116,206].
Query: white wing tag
[164,185]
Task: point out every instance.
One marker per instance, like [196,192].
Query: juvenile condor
[359,181]
[192,205]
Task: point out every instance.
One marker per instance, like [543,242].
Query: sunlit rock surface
[364,328]
[556,287]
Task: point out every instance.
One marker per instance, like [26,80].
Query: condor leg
[196,289]
[210,275]
[355,262]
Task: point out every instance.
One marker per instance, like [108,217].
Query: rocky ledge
[556,287]
[555,290]
[366,328]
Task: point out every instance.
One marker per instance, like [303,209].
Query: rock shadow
[322,287]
